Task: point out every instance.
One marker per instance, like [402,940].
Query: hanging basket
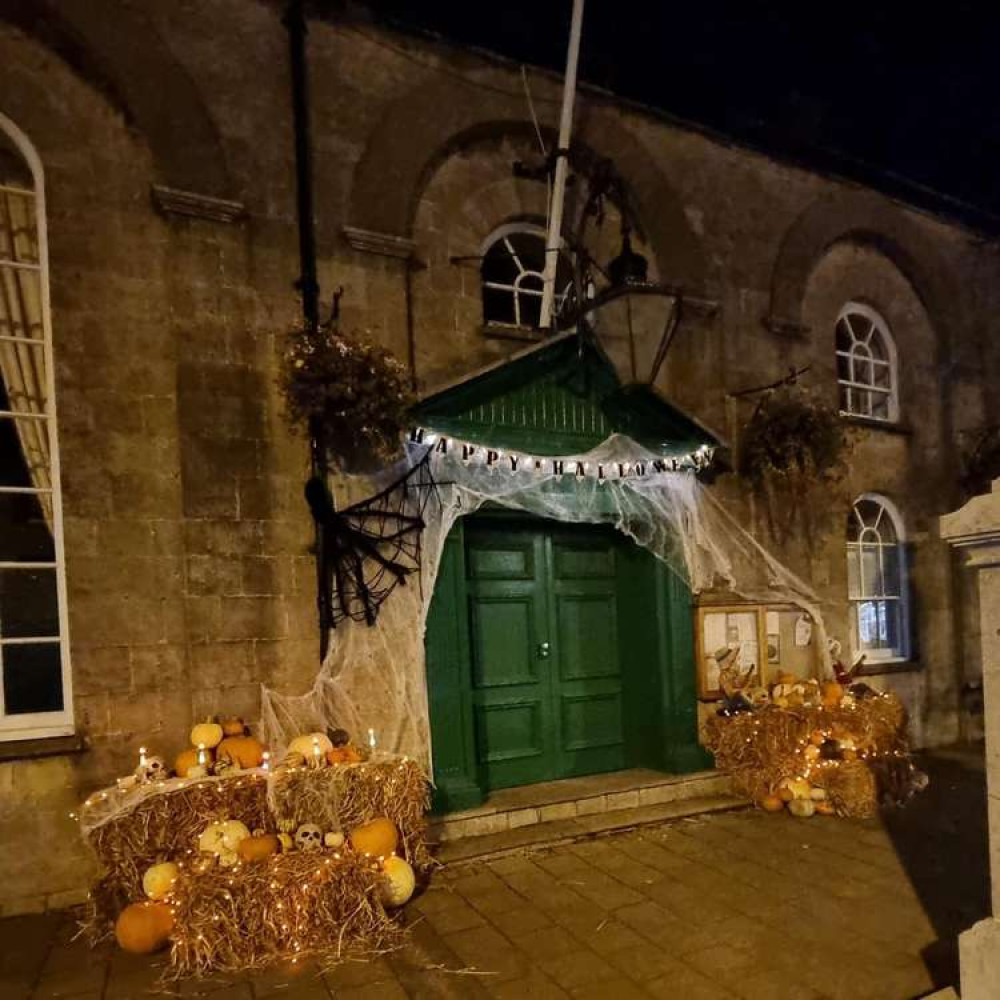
[348,390]
[792,445]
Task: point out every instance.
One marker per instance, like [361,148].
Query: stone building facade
[164,131]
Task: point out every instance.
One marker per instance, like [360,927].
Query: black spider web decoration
[366,550]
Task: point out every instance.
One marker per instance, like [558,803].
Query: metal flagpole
[554,239]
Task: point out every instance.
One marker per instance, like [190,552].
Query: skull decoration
[151,769]
[222,766]
[309,837]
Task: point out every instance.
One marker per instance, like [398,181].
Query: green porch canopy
[560,397]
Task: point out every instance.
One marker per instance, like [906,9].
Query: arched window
[35,697]
[513,263]
[866,364]
[877,579]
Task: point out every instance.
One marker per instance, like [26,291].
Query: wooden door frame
[674,748]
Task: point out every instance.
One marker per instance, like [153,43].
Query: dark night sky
[901,96]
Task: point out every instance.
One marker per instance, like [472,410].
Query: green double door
[554,650]
[545,652]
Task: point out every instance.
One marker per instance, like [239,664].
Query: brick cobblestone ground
[734,906]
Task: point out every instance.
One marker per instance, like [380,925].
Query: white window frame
[515,289]
[854,388]
[41,724]
[890,510]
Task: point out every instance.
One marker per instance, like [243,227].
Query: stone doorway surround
[975,531]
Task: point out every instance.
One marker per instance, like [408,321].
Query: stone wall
[187,542]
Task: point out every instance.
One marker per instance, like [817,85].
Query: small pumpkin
[333,839]
[286,842]
[399,881]
[377,839]
[818,794]
[802,807]
[785,793]
[825,808]
[243,751]
[306,744]
[187,761]
[158,879]
[143,928]
[832,693]
[811,752]
[258,848]
[772,803]
[208,734]
[233,727]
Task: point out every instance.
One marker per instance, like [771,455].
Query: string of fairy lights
[476,455]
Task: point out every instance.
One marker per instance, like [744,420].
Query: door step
[576,808]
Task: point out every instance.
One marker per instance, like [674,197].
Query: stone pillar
[975,530]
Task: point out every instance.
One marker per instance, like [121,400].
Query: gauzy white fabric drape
[375,678]
[22,354]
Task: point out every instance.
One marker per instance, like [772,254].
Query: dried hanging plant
[349,387]
[792,445]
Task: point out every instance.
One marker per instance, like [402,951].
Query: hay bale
[291,907]
[343,796]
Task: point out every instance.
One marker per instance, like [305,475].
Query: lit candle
[202,755]
[371,738]
[317,752]
[266,761]
[142,756]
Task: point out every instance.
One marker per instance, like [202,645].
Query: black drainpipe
[308,284]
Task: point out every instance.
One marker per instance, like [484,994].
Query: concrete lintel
[172,201]
[383,244]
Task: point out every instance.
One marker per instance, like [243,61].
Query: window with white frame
[513,265]
[877,579]
[866,364]
[35,695]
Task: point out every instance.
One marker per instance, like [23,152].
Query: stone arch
[120,53]
[432,122]
[865,219]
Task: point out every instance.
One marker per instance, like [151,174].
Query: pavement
[729,906]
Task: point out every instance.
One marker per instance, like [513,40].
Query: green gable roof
[561,397]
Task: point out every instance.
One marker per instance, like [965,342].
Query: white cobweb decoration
[375,677]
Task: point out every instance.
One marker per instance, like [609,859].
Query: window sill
[871,423]
[899,666]
[52,746]
[522,334]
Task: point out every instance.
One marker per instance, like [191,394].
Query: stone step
[569,798]
[564,831]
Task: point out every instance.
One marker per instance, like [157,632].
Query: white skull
[152,769]
[309,837]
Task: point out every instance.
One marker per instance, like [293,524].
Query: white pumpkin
[159,879]
[207,734]
[399,881]
[307,743]
[802,807]
[818,794]
[222,838]
[334,839]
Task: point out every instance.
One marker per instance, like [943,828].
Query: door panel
[503,640]
[511,690]
[588,636]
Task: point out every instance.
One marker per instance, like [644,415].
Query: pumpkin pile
[321,846]
[814,748]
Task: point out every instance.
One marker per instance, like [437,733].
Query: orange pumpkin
[143,928]
[785,794]
[258,848]
[825,808]
[244,751]
[378,839]
[233,727]
[772,803]
[343,755]
[188,759]
[832,693]
[817,737]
